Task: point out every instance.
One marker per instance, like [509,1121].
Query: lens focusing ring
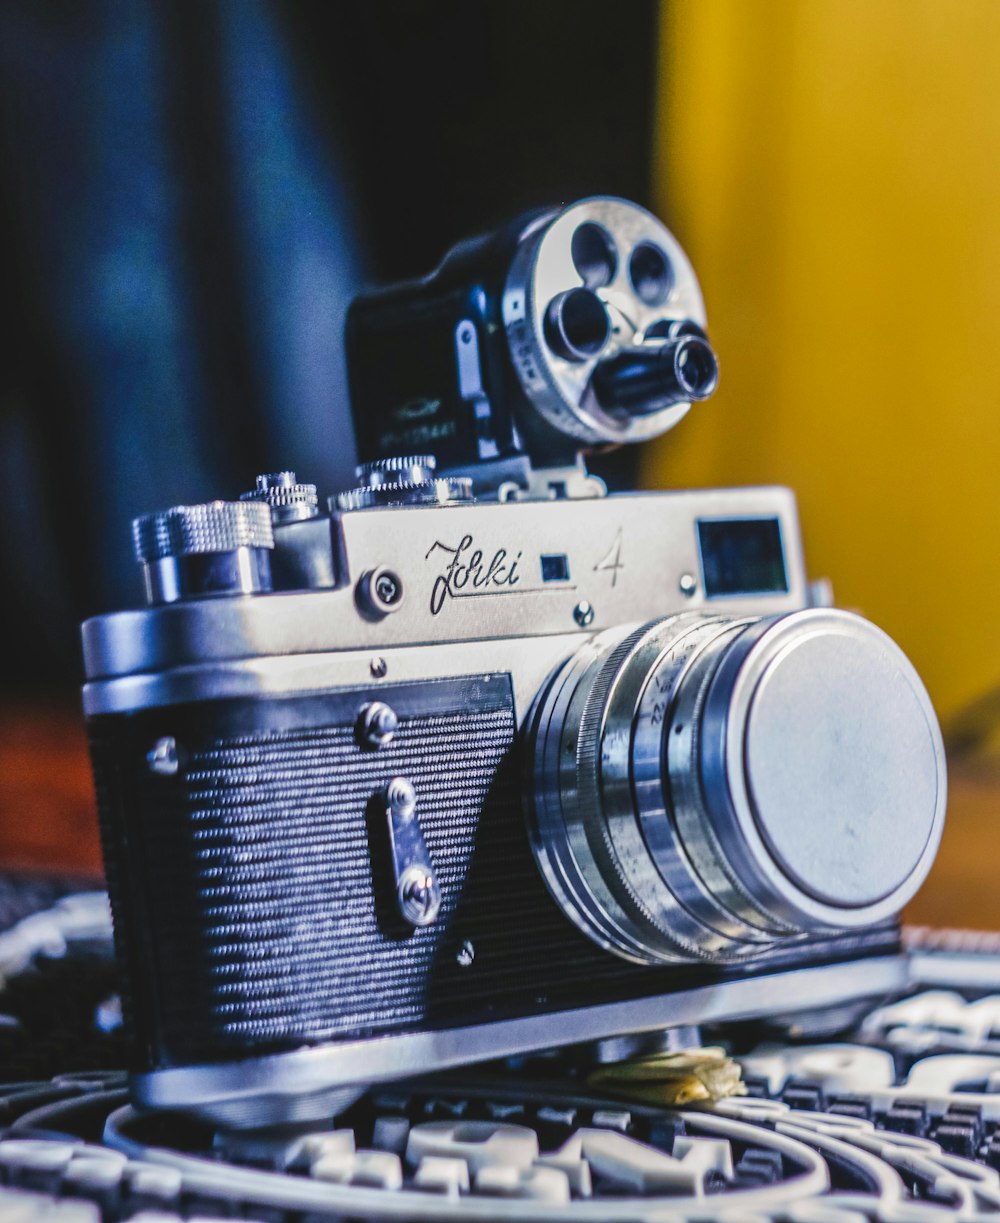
[693,799]
[589,835]
[572,849]
[672,908]
[669,800]
[639,906]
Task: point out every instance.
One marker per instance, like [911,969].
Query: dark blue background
[191,193]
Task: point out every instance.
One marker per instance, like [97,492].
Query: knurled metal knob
[289,500]
[397,469]
[190,530]
[402,480]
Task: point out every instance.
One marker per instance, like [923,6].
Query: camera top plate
[475,572]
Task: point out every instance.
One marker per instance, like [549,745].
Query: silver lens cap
[823,767]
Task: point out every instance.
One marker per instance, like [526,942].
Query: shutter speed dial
[217,548]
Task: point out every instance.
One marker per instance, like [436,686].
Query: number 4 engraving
[612,562]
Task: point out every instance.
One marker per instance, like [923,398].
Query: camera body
[243,756]
[464,768]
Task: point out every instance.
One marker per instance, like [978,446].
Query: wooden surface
[962,888]
[47,814]
[47,817]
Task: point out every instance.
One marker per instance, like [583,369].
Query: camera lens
[577,325]
[651,274]
[594,255]
[707,788]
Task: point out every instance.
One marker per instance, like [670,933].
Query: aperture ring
[685,783]
[664,930]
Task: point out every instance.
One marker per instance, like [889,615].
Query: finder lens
[651,274]
[653,376]
[577,325]
[594,255]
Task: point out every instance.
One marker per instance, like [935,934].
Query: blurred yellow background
[833,169]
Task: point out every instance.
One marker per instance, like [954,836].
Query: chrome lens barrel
[706,786]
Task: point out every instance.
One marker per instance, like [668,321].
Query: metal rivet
[376,725]
[378,667]
[688,584]
[419,899]
[466,954]
[388,588]
[163,757]
[401,796]
[583,613]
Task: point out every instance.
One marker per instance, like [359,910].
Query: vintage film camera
[482,761]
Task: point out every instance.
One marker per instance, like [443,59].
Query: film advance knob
[289,500]
[402,480]
[824,770]
[218,548]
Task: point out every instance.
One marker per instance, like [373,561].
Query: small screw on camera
[583,613]
[401,796]
[377,724]
[419,899]
[163,757]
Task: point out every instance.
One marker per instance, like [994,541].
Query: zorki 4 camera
[482,761]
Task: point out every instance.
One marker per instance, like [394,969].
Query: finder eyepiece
[656,375]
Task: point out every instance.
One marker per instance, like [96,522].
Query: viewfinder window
[742,556]
[555,568]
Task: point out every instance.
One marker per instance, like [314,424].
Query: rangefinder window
[555,568]
[742,556]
